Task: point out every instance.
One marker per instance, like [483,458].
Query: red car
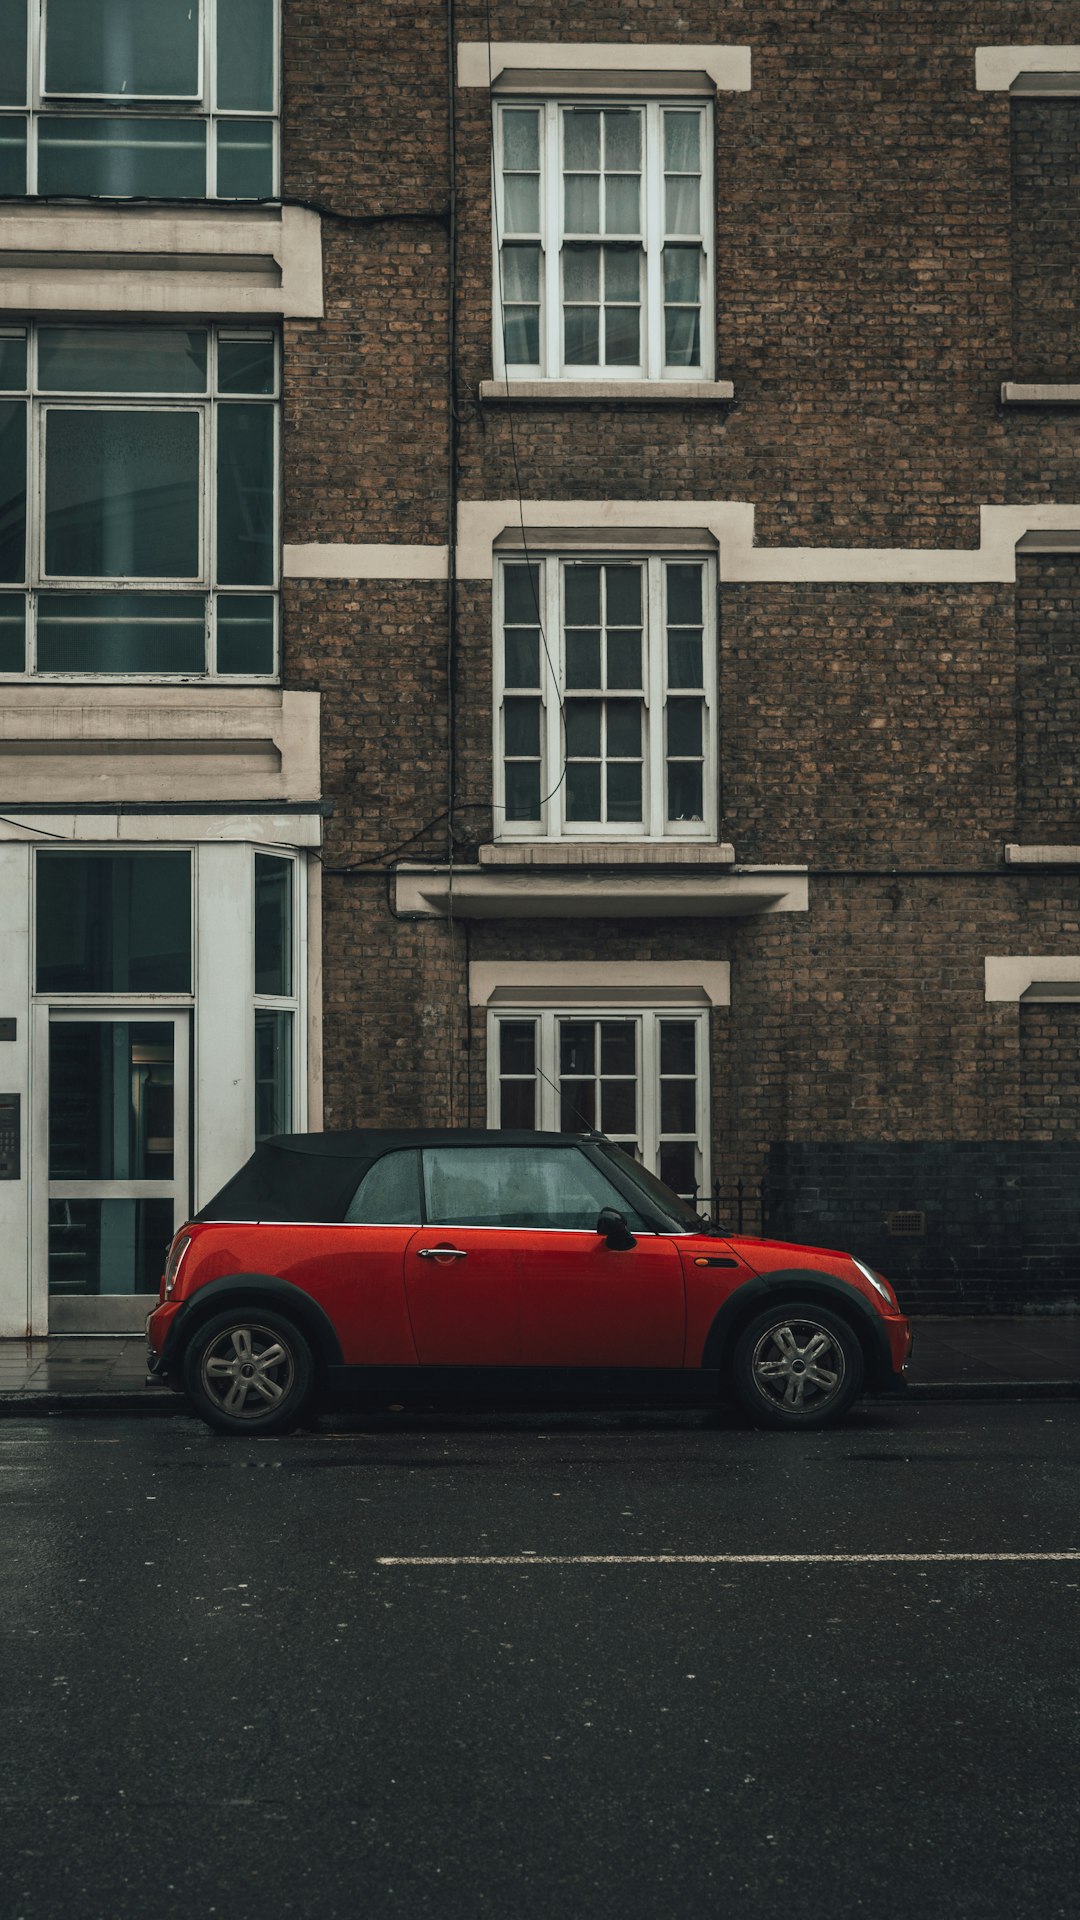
[455,1261]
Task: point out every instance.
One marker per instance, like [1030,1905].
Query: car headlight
[879,1285]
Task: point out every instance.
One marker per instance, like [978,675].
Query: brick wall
[1048,697]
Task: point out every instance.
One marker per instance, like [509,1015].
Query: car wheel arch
[249,1291]
[794,1286]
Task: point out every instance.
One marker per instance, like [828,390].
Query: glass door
[118,1162]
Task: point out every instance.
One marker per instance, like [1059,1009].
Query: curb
[162,1402]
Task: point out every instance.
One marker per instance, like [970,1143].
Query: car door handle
[442,1253]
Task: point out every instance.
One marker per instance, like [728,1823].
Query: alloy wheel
[798,1366]
[246,1371]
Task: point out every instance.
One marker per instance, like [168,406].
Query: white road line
[701,1559]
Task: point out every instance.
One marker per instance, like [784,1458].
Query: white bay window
[639,1077]
[605,698]
[137,501]
[603,242]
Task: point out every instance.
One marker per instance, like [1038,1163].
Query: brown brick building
[671,716]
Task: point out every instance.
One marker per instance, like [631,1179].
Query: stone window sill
[605,853]
[638,393]
[1040,393]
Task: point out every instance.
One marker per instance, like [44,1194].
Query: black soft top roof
[313,1176]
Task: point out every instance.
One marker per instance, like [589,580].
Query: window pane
[521,202]
[577,1046]
[582,210]
[678,1046]
[624,728]
[621,341]
[685,790]
[522,724]
[273,924]
[582,657]
[12,633]
[245,159]
[246,365]
[684,594]
[389,1193]
[245,505]
[521,138]
[122,47]
[624,659]
[245,55]
[678,1166]
[577,1105]
[12,490]
[12,155]
[583,728]
[121,158]
[515,1187]
[523,790]
[682,276]
[622,141]
[521,336]
[618,1107]
[682,202]
[624,792]
[622,273]
[121,633]
[583,791]
[621,203]
[517,1046]
[582,589]
[684,726]
[521,273]
[581,273]
[13,41]
[111,1100]
[684,657]
[273,1072]
[113,922]
[623,596]
[517,1103]
[581,336]
[682,337]
[245,632]
[121,360]
[108,1246]
[522,657]
[618,1046]
[682,142]
[678,1106]
[521,594]
[581,140]
[122,493]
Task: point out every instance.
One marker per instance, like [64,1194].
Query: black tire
[797,1366]
[249,1370]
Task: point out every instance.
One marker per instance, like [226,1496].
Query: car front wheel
[797,1366]
[249,1372]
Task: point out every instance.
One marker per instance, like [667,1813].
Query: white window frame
[290,1003]
[648,1022]
[201,106]
[652,366]
[206,405]
[552,824]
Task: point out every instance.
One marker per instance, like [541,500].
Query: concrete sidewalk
[991,1358]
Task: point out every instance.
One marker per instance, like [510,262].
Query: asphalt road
[217,1699]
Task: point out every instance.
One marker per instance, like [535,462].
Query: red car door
[585,1304]
[461,1289]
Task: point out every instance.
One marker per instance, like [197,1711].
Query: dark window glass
[678,1048]
[522,728]
[246,365]
[678,1167]
[245,159]
[521,594]
[517,1046]
[515,1187]
[522,657]
[684,594]
[122,47]
[389,1193]
[111,1114]
[121,633]
[113,922]
[517,1103]
[108,1246]
[12,490]
[685,798]
[121,360]
[13,41]
[122,493]
[245,55]
[273,924]
[273,1072]
[245,505]
[245,633]
[121,158]
[523,795]
[12,633]
[13,363]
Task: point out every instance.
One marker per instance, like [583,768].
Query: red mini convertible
[549,1265]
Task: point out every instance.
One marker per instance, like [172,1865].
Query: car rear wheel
[797,1366]
[249,1372]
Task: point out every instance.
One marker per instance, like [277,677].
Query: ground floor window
[639,1077]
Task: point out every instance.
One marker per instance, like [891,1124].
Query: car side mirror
[612,1224]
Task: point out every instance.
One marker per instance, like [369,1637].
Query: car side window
[518,1187]
[389,1193]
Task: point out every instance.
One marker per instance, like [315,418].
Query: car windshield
[680,1212]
